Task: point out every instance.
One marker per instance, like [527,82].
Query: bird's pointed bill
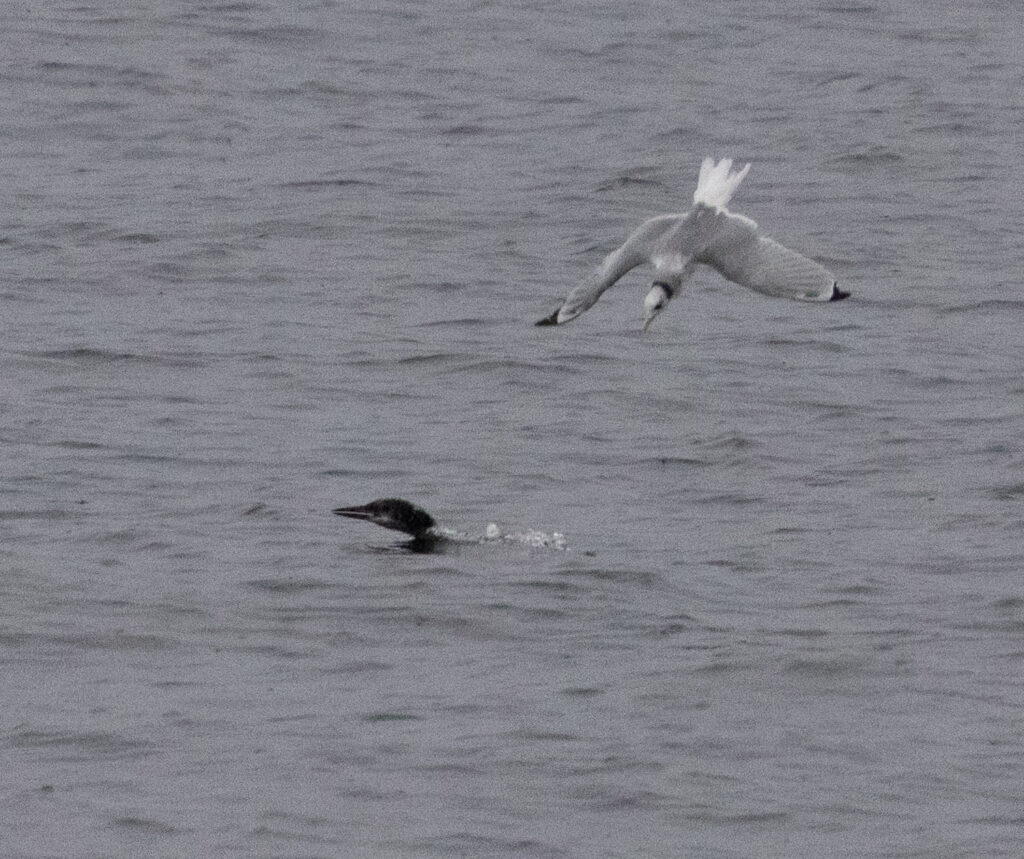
[353,512]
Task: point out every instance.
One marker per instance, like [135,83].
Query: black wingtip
[838,294]
[549,320]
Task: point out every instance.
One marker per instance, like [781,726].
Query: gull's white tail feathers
[717,183]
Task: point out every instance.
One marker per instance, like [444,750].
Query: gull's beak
[353,512]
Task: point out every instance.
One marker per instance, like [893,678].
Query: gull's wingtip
[838,294]
[549,320]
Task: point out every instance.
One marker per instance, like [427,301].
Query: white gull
[709,234]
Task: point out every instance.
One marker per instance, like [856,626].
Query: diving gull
[708,234]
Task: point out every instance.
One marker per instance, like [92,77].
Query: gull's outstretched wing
[636,250]
[743,254]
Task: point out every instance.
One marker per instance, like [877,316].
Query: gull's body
[709,234]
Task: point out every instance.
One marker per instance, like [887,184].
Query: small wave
[869,156]
[287,585]
[319,184]
[626,181]
[431,358]
[802,344]
[938,35]
[682,461]
[824,668]
[441,286]
[851,9]
[730,498]
[830,78]
[89,74]
[510,365]
[280,34]
[10,515]
[466,129]
[86,745]
[144,826]
[1010,492]
[730,441]
[137,238]
[85,353]
[374,718]
[75,444]
[92,355]
[629,577]
[998,305]
[460,322]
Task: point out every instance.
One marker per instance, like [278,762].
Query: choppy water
[261,260]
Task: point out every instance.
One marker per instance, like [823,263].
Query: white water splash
[536,539]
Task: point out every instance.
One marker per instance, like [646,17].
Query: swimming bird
[398,515]
[401,515]
[708,234]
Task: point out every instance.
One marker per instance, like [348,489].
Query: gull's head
[655,301]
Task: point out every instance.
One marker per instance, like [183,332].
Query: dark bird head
[656,300]
[393,513]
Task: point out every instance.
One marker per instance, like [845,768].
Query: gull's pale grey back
[741,253]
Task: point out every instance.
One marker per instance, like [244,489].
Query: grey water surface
[262,259]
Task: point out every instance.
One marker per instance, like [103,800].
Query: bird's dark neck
[426,543]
